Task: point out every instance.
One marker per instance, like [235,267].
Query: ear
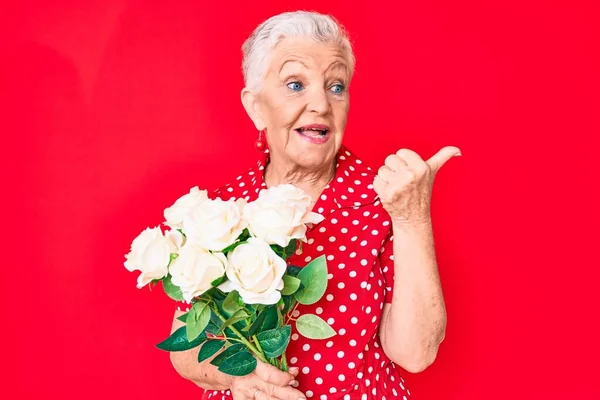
[251,105]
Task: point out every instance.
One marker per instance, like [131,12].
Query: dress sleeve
[386,259]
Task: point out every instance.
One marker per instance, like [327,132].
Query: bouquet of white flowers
[229,260]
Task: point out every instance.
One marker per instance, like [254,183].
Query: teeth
[321,131]
[316,132]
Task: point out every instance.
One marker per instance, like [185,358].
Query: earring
[260,143]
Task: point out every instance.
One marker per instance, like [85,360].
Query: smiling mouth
[312,132]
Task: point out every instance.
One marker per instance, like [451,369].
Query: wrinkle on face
[319,67]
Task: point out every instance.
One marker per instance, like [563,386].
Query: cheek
[283,112]
[340,114]
[289,114]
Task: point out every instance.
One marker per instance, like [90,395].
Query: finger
[379,185]
[270,391]
[442,156]
[395,163]
[411,157]
[270,374]
[261,395]
[385,173]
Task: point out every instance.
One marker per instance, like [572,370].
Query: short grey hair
[257,48]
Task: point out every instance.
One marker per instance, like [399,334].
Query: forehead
[307,53]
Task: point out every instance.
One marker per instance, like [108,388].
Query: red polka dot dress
[356,239]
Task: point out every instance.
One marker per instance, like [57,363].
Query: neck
[312,182]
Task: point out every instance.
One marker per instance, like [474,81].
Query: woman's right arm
[204,374]
[266,378]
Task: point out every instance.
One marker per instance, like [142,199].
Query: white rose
[175,239]
[183,205]
[150,253]
[195,269]
[215,224]
[256,272]
[280,214]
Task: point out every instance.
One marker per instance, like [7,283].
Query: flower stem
[290,313]
[258,345]
[242,338]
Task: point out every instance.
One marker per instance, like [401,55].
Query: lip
[319,127]
[315,139]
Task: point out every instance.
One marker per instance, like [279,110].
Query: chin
[314,157]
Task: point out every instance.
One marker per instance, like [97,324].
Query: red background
[112,109]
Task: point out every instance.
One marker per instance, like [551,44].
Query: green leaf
[293,270]
[279,315]
[265,321]
[216,294]
[219,304]
[153,283]
[239,315]
[288,304]
[277,250]
[313,327]
[214,325]
[231,302]
[275,341]
[244,235]
[314,279]
[218,281]
[257,324]
[242,239]
[228,352]
[178,341]
[240,326]
[183,317]
[197,319]
[290,249]
[240,364]
[209,349]
[171,290]
[291,285]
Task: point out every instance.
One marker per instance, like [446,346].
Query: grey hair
[257,48]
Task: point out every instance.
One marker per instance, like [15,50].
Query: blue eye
[295,86]
[338,89]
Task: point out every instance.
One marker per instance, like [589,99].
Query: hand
[404,184]
[272,384]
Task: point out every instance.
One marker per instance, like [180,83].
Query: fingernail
[293,383]
[458,154]
[294,370]
[301,398]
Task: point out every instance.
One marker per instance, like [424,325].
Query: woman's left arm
[414,324]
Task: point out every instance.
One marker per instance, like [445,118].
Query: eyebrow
[289,61]
[338,64]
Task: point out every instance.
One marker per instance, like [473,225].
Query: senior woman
[383,297]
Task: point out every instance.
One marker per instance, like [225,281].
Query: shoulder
[358,192]
[353,182]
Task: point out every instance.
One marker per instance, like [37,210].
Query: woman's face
[304,102]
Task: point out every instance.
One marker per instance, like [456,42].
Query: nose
[319,101]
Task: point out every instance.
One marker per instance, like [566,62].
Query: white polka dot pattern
[356,238]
